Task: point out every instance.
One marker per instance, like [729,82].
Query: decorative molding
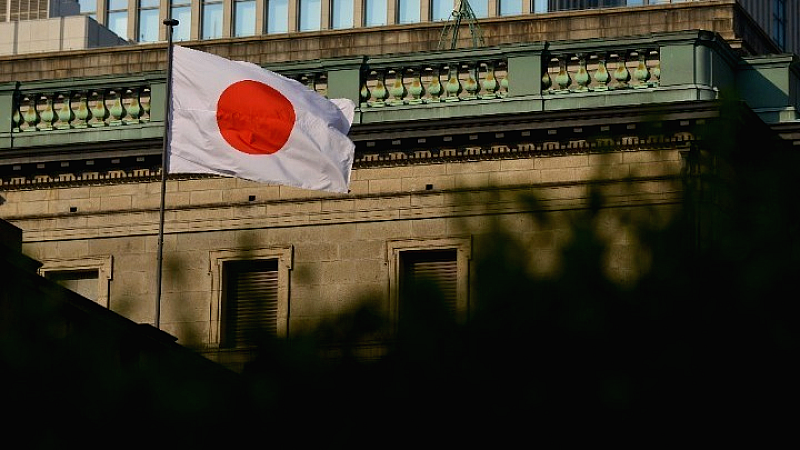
[371,158]
[216,260]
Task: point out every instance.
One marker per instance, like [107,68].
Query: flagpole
[171,24]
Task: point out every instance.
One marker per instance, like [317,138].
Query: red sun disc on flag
[254,118]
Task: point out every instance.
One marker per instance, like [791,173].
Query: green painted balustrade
[520,78]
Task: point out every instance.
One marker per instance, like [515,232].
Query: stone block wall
[338,243]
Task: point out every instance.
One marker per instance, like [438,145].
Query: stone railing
[570,72]
[434,82]
[81,108]
[446,84]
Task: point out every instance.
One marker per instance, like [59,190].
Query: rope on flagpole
[171,24]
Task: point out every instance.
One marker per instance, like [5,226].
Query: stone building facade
[438,171]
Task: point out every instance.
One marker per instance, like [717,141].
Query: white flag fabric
[235,118]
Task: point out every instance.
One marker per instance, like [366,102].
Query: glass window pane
[540,6]
[408,11]
[148,3]
[117,4]
[480,8]
[148,25]
[245,18]
[184,16]
[441,9]
[310,15]
[87,6]
[341,14]
[212,21]
[277,16]
[374,13]
[118,23]
[510,7]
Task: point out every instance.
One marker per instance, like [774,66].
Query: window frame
[394,255]
[217,260]
[102,264]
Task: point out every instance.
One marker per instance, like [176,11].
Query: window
[341,14]
[510,7]
[408,11]
[118,17]
[182,11]
[244,18]
[148,20]
[441,9]
[88,8]
[212,19]
[277,16]
[251,295]
[423,269]
[480,8]
[249,301]
[413,264]
[310,15]
[779,23]
[374,13]
[88,277]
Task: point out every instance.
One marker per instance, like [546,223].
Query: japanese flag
[236,119]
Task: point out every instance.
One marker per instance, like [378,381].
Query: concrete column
[260,14]
[227,18]
[294,15]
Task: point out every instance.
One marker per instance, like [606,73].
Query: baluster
[65,114]
[134,107]
[563,79]
[117,110]
[547,82]
[398,89]
[622,74]
[490,84]
[144,100]
[379,92]
[453,86]
[601,75]
[471,83]
[82,113]
[504,85]
[417,90]
[656,72]
[31,115]
[642,73]
[16,116]
[48,115]
[435,86]
[364,93]
[99,110]
[582,76]
[311,81]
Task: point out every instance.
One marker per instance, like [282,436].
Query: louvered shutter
[251,301]
[439,267]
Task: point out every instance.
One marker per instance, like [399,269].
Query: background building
[139,20]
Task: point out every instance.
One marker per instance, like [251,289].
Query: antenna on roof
[449,37]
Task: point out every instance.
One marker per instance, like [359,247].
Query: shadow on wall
[707,327]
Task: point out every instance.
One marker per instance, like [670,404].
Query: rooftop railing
[479,82]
